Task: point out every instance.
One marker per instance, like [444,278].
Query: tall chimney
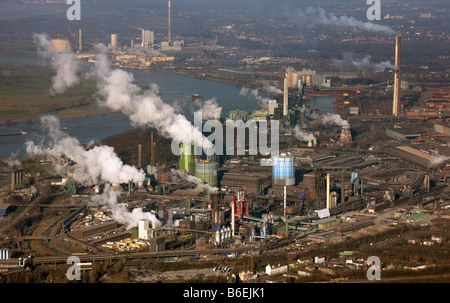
[169,36]
[328,191]
[396,100]
[80,39]
[140,156]
[342,188]
[152,151]
[285,97]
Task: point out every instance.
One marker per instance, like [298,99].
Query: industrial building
[5,209]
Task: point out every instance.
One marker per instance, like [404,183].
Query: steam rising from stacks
[178,174]
[117,91]
[330,119]
[64,63]
[90,167]
[210,109]
[120,213]
[302,135]
[317,15]
[365,63]
[438,160]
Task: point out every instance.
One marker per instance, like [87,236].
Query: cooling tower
[61,46]
[346,135]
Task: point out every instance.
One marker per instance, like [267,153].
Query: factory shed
[410,155]
[403,133]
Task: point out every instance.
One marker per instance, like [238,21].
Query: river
[173,88]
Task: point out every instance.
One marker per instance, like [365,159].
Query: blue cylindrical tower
[283,170]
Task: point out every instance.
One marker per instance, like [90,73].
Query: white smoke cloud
[329,119]
[13,161]
[302,135]
[210,109]
[271,89]
[255,94]
[118,91]
[437,160]
[365,63]
[90,167]
[119,212]
[65,64]
[317,15]
[178,174]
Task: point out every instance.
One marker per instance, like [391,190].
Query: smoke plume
[317,15]
[65,65]
[437,160]
[255,94]
[210,109]
[178,174]
[302,135]
[117,91]
[365,63]
[90,167]
[119,212]
[329,119]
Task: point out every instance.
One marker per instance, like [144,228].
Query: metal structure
[283,169]
[187,158]
[207,172]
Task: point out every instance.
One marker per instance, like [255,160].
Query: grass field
[25,95]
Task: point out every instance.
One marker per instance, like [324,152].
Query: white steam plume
[90,167]
[365,63]
[117,91]
[302,135]
[65,64]
[184,176]
[13,161]
[210,109]
[329,119]
[317,15]
[438,160]
[271,89]
[255,94]
[119,212]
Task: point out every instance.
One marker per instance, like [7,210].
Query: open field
[25,94]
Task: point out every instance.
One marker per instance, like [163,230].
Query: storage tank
[187,158]
[4,253]
[283,169]
[207,172]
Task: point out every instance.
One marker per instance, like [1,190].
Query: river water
[172,87]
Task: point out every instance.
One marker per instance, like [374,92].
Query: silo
[207,171]
[308,80]
[113,40]
[283,169]
[187,158]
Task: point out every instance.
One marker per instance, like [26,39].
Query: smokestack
[285,97]
[152,150]
[328,191]
[342,188]
[80,39]
[140,155]
[232,215]
[170,26]
[396,100]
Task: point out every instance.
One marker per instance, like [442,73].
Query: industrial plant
[358,163]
